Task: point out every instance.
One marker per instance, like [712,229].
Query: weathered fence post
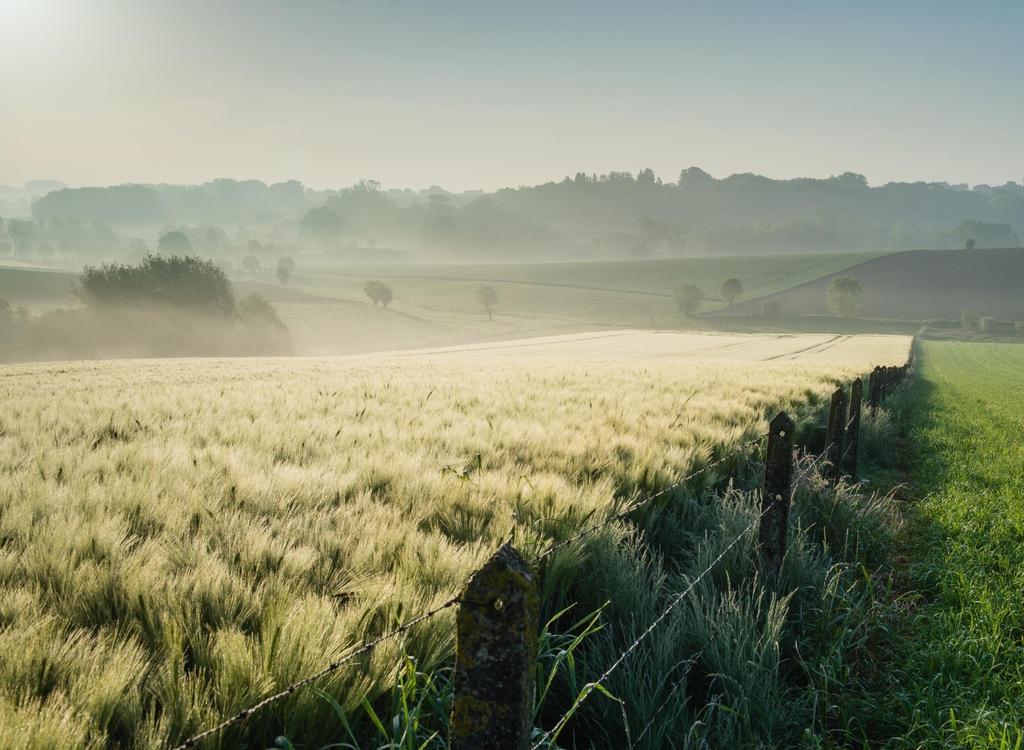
[778,476]
[874,388]
[835,436]
[853,429]
[496,650]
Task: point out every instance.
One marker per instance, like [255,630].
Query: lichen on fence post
[853,429]
[835,436]
[778,476]
[496,651]
[875,388]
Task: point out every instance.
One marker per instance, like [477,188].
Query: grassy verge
[954,674]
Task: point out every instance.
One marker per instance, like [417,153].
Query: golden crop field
[179,537]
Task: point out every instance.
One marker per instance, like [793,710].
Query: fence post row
[835,436]
[778,476]
[497,620]
[853,429]
[495,652]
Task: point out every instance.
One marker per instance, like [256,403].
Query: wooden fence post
[874,386]
[853,429]
[495,656]
[835,436]
[778,476]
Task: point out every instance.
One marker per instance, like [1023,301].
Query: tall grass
[177,538]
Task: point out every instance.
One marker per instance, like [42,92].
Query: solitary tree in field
[251,264]
[688,298]
[971,244]
[487,298]
[174,243]
[378,292]
[285,267]
[732,289]
[843,296]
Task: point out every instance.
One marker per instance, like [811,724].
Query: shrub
[322,222]
[184,282]
[256,310]
[251,264]
[487,298]
[378,292]
[732,289]
[174,243]
[844,296]
[688,298]
[285,268]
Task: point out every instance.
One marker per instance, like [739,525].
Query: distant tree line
[618,214]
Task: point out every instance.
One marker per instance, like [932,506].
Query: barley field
[179,537]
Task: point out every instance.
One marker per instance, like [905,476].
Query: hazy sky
[486,94]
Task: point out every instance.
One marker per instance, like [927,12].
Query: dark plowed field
[921,285]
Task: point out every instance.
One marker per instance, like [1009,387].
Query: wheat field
[179,537]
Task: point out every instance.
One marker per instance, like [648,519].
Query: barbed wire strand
[241,716]
[335,665]
[589,687]
[623,514]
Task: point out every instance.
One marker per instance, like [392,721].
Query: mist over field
[513,375]
[617,215]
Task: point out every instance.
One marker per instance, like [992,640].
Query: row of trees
[689,297]
[380,293]
[843,297]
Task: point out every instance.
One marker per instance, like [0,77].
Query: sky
[483,94]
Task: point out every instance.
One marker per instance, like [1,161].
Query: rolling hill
[919,285]
[435,304]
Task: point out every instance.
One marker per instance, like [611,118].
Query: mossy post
[778,477]
[835,435]
[496,651]
[874,388]
[853,429]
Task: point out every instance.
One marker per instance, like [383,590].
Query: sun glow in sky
[468,94]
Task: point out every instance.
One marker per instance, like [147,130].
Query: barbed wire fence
[776,493]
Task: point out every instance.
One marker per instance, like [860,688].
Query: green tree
[378,292]
[985,234]
[844,296]
[251,264]
[174,243]
[323,222]
[487,298]
[255,310]
[688,298]
[186,282]
[732,289]
[285,269]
